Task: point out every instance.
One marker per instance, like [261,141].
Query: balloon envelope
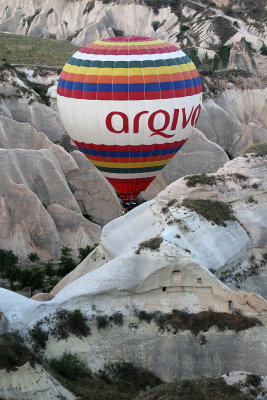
[129,103]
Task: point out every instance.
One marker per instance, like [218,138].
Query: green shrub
[155,25]
[241,177]
[263,50]
[33,256]
[153,244]
[117,318]
[203,321]
[197,389]
[145,316]
[89,7]
[70,367]
[39,337]
[73,322]
[212,210]
[171,202]
[184,28]
[203,179]
[66,264]
[118,32]
[13,353]
[129,378]
[258,149]
[253,380]
[102,321]
[84,251]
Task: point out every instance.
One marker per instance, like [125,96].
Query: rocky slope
[44,189]
[83,21]
[34,383]
[164,255]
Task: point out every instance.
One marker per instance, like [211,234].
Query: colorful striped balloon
[129,103]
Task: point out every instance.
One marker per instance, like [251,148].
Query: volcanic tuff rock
[34,383]
[92,191]
[38,115]
[84,21]
[125,272]
[51,182]
[235,120]
[184,233]
[198,154]
[241,57]
[31,181]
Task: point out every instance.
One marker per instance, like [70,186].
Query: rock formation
[163,256]
[241,57]
[198,154]
[47,172]
[235,120]
[84,21]
[34,383]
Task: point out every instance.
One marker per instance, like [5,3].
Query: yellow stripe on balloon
[159,41]
[129,165]
[129,71]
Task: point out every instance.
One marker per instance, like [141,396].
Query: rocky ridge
[84,21]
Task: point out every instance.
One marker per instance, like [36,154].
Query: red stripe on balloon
[139,51]
[144,147]
[129,188]
[152,95]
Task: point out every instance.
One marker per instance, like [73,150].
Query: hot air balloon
[129,103]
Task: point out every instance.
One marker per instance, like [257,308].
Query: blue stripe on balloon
[134,87]
[142,153]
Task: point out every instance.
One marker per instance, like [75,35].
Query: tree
[33,256]
[263,50]
[216,62]
[11,273]
[7,259]
[67,264]
[84,251]
[224,52]
[194,57]
[8,266]
[31,279]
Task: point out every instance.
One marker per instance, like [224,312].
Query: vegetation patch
[70,367]
[73,322]
[258,149]
[117,318]
[120,381]
[128,377]
[197,389]
[223,28]
[203,321]
[200,322]
[13,353]
[171,202]
[118,32]
[241,177]
[202,179]
[89,7]
[30,50]
[144,316]
[102,321]
[152,244]
[212,210]
[38,336]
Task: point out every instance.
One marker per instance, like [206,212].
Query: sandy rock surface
[33,383]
